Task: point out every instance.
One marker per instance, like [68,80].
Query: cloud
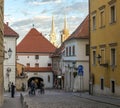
[35,20]
[41,2]
[77,8]
[41,15]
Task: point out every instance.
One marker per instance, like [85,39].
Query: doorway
[37,81]
[113,86]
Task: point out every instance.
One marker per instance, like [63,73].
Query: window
[63,53]
[49,64]
[87,50]
[102,56]
[69,51]
[102,84]
[66,51]
[113,57]
[102,19]
[73,50]
[94,57]
[94,22]
[28,64]
[112,14]
[36,56]
[36,64]
[113,86]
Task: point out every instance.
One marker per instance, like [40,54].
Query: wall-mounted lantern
[99,59]
[8,71]
[9,52]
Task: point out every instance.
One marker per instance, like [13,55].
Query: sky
[23,14]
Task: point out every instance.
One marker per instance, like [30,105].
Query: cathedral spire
[65,31]
[53,34]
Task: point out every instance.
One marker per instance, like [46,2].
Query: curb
[96,100]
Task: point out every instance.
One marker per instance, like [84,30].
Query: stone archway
[37,80]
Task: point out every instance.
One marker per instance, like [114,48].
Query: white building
[10,39]
[33,52]
[76,52]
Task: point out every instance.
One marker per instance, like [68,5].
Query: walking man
[12,90]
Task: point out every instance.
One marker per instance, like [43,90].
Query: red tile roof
[9,32]
[34,42]
[82,31]
[38,69]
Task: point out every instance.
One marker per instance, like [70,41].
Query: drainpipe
[90,83]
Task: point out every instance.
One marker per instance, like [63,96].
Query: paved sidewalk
[15,102]
[115,101]
[12,102]
[101,98]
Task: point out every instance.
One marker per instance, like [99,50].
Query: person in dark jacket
[12,90]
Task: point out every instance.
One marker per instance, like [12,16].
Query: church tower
[53,34]
[65,31]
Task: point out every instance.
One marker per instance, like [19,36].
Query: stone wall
[1,51]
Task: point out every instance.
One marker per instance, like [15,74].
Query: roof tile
[38,69]
[34,42]
[9,32]
[82,30]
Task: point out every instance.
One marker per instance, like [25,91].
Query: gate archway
[37,81]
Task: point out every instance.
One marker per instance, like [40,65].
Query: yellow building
[1,51]
[105,46]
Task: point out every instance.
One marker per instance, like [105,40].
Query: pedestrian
[12,90]
[32,86]
[42,88]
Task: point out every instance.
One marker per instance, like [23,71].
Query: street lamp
[98,58]
[9,52]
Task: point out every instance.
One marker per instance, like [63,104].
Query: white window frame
[94,62]
[94,25]
[101,55]
[100,21]
[111,62]
[110,14]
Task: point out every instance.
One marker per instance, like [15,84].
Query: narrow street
[61,99]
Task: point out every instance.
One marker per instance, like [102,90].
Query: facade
[57,65]
[1,51]
[34,53]
[10,40]
[76,52]
[105,46]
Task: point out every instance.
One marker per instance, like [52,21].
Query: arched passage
[37,81]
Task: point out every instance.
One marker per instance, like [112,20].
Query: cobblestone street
[61,99]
